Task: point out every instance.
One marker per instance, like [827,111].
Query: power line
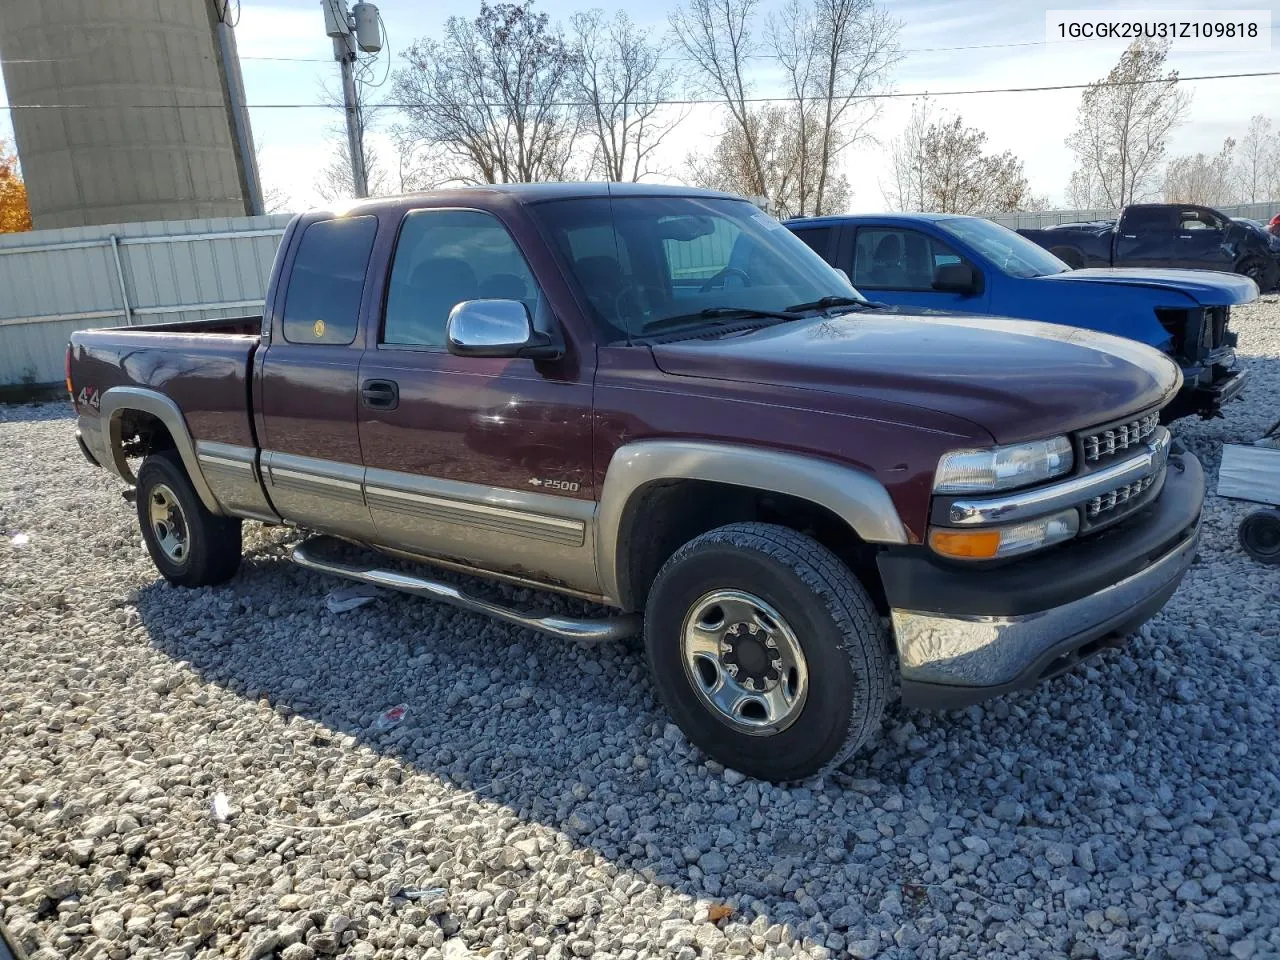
[893,95]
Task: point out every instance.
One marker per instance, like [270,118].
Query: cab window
[326,281]
[446,257]
[890,258]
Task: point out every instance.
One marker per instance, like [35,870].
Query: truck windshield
[1011,252]
[649,264]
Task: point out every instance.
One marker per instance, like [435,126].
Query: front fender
[856,497]
[1128,312]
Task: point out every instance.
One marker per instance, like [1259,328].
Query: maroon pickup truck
[662,401]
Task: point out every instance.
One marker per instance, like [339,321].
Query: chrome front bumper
[965,636]
[985,652]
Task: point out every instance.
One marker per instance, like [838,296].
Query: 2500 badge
[568,486]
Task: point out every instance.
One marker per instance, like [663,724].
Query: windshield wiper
[719,313]
[826,303]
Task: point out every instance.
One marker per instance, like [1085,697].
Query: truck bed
[204,366]
[240,326]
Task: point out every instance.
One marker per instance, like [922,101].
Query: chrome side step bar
[584,630]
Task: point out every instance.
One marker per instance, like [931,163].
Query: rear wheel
[767,651]
[190,546]
[1260,536]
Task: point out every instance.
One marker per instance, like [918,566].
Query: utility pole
[351,33]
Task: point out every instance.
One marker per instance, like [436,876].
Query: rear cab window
[326,281]
[1139,220]
[817,239]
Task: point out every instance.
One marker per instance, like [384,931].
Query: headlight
[1003,468]
[989,543]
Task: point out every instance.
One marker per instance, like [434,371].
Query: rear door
[1147,236]
[479,461]
[897,264]
[306,386]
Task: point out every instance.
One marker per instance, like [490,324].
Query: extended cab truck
[972,265]
[660,400]
[1164,235]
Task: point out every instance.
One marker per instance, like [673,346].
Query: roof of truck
[834,218]
[536,192]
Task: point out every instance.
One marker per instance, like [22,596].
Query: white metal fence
[53,282]
[1034,221]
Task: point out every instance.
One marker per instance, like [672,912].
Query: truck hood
[1206,287]
[1017,379]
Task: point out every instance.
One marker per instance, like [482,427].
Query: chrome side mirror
[497,328]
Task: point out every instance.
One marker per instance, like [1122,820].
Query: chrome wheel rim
[168,523]
[744,662]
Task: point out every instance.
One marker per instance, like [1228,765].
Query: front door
[479,461]
[306,382]
[896,265]
[1202,241]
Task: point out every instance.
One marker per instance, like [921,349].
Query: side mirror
[956,278]
[497,328]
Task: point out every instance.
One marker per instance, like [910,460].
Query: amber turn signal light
[965,544]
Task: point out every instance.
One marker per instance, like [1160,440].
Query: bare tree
[716,35]
[336,182]
[1083,190]
[907,154]
[624,84]
[731,166]
[492,95]
[834,54]
[942,165]
[1123,124]
[1258,166]
[1201,178]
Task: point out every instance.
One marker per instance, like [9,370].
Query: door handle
[380,394]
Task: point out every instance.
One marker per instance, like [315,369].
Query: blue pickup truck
[971,265]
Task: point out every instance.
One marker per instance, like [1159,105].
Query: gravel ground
[535,802]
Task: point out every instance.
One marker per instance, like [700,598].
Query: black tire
[827,611]
[1260,536]
[1257,270]
[211,548]
[1068,255]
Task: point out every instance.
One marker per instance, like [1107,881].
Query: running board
[584,630]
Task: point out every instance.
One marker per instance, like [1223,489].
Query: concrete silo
[137,123]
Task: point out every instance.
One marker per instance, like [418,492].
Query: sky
[286,58]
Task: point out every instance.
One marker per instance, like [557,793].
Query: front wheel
[1260,536]
[1256,269]
[189,545]
[767,651]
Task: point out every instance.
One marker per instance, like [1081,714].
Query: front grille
[1121,495]
[1119,438]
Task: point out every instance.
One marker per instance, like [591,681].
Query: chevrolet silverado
[661,401]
